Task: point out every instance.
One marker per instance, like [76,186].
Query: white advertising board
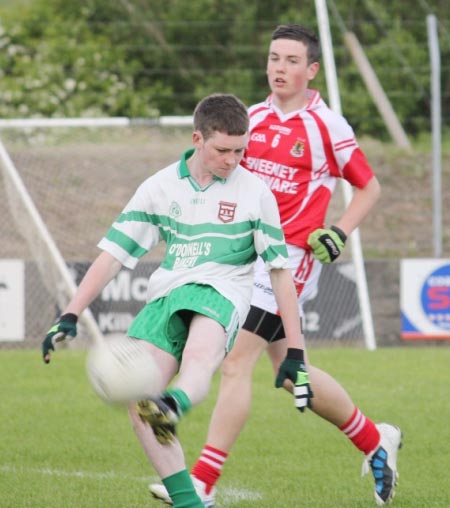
[425,299]
[12,300]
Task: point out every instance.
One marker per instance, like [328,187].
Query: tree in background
[142,58]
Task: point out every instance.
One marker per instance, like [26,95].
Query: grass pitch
[61,446]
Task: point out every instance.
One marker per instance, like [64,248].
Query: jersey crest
[175,210]
[298,149]
[226,211]
[305,154]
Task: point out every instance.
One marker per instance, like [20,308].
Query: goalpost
[68,179]
[62,183]
[54,271]
[335,104]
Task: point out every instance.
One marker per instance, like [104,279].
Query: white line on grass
[228,494]
[74,474]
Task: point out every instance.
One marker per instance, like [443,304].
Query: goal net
[62,184]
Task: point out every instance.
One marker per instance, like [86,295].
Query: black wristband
[295,354]
[340,233]
[69,318]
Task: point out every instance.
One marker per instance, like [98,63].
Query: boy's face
[288,71]
[219,154]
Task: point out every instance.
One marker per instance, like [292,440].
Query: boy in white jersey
[299,147]
[216,219]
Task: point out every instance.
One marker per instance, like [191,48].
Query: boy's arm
[286,297]
[362,202]
[328,244]
[293,366]
[102,270]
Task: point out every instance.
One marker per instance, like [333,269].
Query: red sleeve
[357,171]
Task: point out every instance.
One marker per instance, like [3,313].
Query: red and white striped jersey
[300,156]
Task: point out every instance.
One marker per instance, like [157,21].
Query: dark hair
[301,34]
[221,113]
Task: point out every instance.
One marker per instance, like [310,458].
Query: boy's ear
[313,69]
[197,139]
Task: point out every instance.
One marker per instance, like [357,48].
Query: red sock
[362,432]
[208,467]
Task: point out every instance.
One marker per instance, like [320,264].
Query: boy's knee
[237,367]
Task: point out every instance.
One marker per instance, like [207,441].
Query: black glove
[327,244]
[294,368]
[64,328]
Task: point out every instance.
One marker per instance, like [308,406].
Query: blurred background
[135,62]
[144,58]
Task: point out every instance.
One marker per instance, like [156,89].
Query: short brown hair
[301,34]
[221,113]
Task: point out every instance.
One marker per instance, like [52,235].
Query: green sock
[182,400]
[182,492]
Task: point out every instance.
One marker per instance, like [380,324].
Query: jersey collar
[313,99]
[183,169]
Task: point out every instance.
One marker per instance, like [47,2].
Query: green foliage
[144,58]
[54,63]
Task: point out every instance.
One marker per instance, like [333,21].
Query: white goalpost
[335,104]
[64,183]
[64,180]
[52,266]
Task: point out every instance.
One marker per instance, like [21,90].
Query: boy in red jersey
[300,148]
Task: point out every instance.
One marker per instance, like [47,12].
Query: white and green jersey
[213,234]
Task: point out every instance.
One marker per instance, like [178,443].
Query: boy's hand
[64,328]
[327,244]
[294,368]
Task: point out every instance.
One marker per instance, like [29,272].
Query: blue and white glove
[64,328]
[327,244]
[294,368]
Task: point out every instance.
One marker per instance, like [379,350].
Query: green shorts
[165,322]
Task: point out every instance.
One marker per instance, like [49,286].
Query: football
[122,370]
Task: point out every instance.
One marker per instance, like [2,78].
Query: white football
[122,370]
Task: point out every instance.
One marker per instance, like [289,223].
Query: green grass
[61,447]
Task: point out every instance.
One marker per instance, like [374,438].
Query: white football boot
[158,491]
[383,462]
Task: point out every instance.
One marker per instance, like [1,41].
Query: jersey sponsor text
[190,249]
[277,176]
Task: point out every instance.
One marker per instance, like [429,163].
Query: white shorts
[305,271]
